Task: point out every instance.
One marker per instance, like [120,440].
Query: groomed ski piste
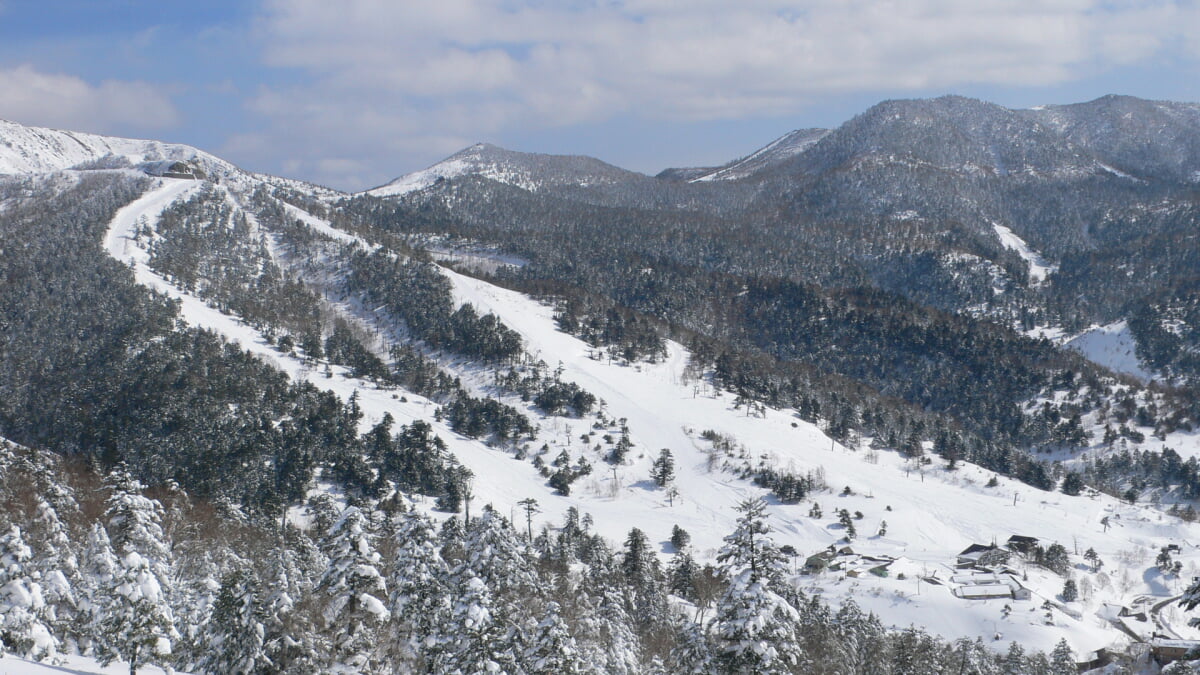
[932,514]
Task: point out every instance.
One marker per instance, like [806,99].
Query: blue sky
[353,93]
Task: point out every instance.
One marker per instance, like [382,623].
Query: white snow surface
[25,150]
[1112,346]
[1039,267]
[70,665]
[933,514]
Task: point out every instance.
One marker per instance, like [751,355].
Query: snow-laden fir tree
[197,586]
[552,649]
[645,579]
[862,637]
[134,522]
[1062,659]
[915,651]
[136,624]
[419,581]
[755,628]
[291,641]
[692,652]
[353,593]
[607,640]
[497,556]
[98,567]
[475,641]
[23,627]
[235,636]
[1014,661]
[56,564]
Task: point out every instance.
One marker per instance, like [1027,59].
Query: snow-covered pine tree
[419,583]
[23,629]
[755,628]
[1062,659]
[353,591]
[750,547]
[605,632]
[552,649]
[57,565]
[235,636]
[497,555]
[1014,662]
[290,640]
[681,574]
[644,576]
[136,624]
[198,584]
[692,653]
[474,642]
[97,569]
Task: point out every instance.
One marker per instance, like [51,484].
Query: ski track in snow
[1039,267]
[935,513]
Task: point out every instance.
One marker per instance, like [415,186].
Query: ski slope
[931,513]
[1112,346]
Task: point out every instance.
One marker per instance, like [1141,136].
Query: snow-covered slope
[775,152]
[26,149]
[931,513]
[69,665]
[1112,346]
[524,170]
[1039,267]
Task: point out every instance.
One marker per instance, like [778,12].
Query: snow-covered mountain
[26,150]
[883,492]
[528,171]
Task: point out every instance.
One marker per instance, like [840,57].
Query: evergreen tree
[644,577]
[1070,591]
[750,547]
[679,537]
[98,568]
[1015,662]
[1062,660]
[663,470]
[755,627]
[847,523]
[681,574]
[23,628]
[474,641]
[352,591]
[136,622]
[419,583]
[692,653]
[57,565]
[552,649]
[235,635]
[137,625]
[755,630]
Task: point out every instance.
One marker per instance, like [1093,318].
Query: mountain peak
[528,171]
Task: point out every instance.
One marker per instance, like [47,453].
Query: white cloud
[382,75]
[54,100]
